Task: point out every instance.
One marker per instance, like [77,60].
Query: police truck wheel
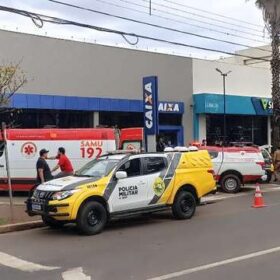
[184,205]
[51,222]
[230,183]
[92,218]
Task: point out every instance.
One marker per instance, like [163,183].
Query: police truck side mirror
[121,175]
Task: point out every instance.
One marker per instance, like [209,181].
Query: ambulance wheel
[230,183]
[92,218]
[184,205]
[51,222]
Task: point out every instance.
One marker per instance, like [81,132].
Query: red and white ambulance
[81,145]
[236,166]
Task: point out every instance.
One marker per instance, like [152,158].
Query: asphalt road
[226,239]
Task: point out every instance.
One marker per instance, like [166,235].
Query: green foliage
[12,78]
[271,12]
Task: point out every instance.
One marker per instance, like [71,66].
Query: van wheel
[184,205]
[230,183]
[52,223]
[92,218]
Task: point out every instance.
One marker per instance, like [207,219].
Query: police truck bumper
[43,208]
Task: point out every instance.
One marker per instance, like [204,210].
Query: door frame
[174,128]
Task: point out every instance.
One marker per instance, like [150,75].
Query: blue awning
[207,103]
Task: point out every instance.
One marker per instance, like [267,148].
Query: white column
[269,130]
[202,127]
[95,119]
[151,143]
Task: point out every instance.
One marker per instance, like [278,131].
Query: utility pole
[8,171]
[150,8]
[224,75]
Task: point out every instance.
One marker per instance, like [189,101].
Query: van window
[154,164]
[2,146]
[266,154]
[213,154]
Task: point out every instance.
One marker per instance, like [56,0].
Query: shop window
[246,129]
[48,119]
[121,119]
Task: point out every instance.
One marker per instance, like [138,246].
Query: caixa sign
[169,107]
[150,101]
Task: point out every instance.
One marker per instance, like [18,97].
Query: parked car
[235,166]
[118,185]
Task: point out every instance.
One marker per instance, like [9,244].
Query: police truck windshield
[97,168]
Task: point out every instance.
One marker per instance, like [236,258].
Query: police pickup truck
[118,185]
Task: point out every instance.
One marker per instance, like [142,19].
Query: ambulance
[81,145]
[236,166]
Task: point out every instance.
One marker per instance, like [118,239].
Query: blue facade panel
[83,103]
[206,103]
[47,101]
[19,101]
[57,102]
[93,104]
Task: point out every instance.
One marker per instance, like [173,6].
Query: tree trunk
[275,70]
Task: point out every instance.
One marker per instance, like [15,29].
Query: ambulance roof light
[168,149]
[119,152]
[193,148]
[181,149]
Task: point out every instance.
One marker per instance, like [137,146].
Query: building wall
[243,80]
[257,57]
[68,68]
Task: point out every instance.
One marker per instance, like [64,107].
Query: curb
[20,226]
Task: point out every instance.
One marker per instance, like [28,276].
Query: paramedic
[43,169]
[64,164]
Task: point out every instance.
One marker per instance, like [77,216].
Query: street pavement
[226,239]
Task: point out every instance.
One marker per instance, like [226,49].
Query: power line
[216,14]
[165,18]
[192,19]
[55,20]
[182,22]
[153,25]
[204,16]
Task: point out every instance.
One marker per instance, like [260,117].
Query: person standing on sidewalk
[64,164]
[276,162]
[42,167]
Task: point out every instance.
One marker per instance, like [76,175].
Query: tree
[12,78]
[271,15]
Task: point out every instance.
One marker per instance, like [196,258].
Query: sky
[237,21]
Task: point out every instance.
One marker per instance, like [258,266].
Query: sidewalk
[19,210]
